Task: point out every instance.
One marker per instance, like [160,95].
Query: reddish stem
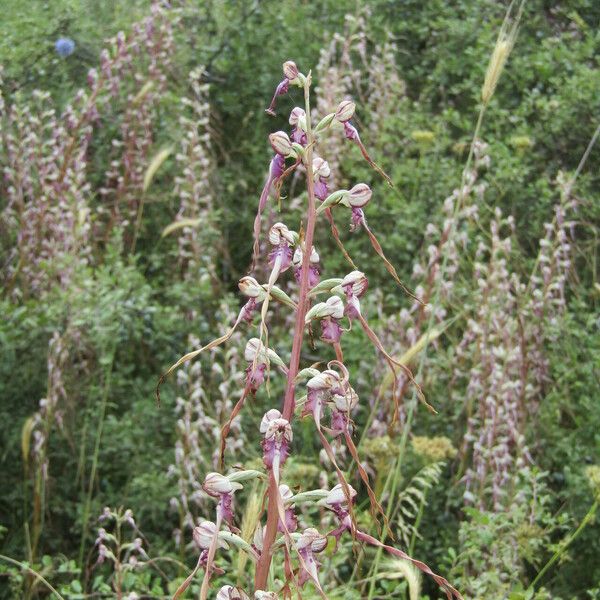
[264,562]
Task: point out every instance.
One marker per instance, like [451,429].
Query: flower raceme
[329,393]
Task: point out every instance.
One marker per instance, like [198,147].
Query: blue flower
[64,46]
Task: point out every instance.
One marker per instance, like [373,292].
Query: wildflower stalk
[100,427]
[35,574]
[328,391]
[264,563]
[589,518]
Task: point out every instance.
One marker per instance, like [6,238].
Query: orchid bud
[285,492]
[290,70]
[281,143]
[204,534]
[324,381]
[345,402]
[298,117]
[337,496]
[345,111]
[334,307]
[280,233]
[313,540]
[251,288]
[228,592]
[291,522]
[278,435]
[320,168]
[359,195]
[258,538]
[260,595]
[356,282]
[274,426]
[216,484]
[255,349]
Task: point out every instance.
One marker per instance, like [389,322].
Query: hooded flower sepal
[250,288]
[337,502]
[314,269]
[221,487]
[204,533]
[318,391]
[321,172]
[277,438]
[345,111]
[298,122]
[309,543]
[329,313]
[354,286]
[291,76]
[259,359]
[291,521]
[228,592]
[281,144]
[283,241]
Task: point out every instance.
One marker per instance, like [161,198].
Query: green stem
[413,538]
[567,542]
[12,561]
[101,417]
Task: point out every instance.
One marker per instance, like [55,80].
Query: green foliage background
[132,307]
